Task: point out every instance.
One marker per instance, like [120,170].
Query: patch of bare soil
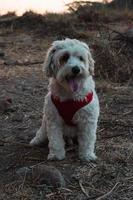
[23,86]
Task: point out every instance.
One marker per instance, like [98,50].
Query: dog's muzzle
[73,79]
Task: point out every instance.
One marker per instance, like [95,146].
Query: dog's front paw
[35,142]
[53,156]
[89,157]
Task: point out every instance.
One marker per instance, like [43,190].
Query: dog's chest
[67,109]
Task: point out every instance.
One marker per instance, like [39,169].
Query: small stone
[43,174]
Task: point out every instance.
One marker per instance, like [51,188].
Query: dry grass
[113,57]
[114,61]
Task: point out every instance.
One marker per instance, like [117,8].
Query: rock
[5,104]
[43,174]
[49,175]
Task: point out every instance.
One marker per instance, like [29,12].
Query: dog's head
[70,62]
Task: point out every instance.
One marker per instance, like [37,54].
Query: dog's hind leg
[41,135]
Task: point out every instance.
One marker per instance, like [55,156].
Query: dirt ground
[22,81]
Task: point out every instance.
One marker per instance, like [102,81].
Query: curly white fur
[61,58]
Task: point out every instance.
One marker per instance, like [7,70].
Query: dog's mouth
[74,83]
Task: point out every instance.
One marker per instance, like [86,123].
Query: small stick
[23,182]
[34,159]
[51,194]
[101,130]
[112,136]
[82,188]
[25,63]
[17,143]
[108,193]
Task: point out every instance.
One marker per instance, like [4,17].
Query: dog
[71,107]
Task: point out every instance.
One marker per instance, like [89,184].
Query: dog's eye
[81,58]
[64,58]
[53,51]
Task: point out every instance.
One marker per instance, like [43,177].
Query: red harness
[68,108]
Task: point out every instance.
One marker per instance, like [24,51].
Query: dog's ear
[91,63]
[90,59]
[48,64]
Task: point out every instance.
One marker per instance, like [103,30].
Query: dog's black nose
[75,70]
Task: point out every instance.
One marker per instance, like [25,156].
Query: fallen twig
[35,159]
[82,188]
[16,143]
[23,182]
[112,136]
[101,130]
[51,194]
[24,63]
[108,193]
[114,122]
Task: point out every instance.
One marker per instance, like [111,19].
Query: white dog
[71,106]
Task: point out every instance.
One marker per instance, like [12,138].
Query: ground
[22,81]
